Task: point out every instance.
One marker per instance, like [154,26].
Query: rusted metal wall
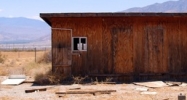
[124,45]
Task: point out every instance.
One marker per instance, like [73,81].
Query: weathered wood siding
[118,45]
[124,45]
[91,60]
[60,52]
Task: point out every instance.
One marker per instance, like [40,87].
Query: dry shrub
[108,79]
[46,58]
[79,79]
[49,78]
[2,58]
[32,68]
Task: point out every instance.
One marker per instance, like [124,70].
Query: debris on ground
[149,93]
[94,92]
[14,80]
[174,83]
[142,89]
[181,96]
[183,84]
[153,84]
[35,90]
[76,88]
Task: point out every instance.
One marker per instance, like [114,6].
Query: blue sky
[32,8]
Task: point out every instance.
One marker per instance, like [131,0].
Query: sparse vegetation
[2,58]
[22,62]
[79,79]
[46,58]
[32,68]
[15,50]
[49,78]
[108,79]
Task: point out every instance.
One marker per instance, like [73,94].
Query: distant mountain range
[23,30]
[169,6]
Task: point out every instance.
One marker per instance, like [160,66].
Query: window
[79,44]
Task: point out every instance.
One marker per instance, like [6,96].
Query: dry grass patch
[23,63]
[2,58]
[45,58]
[33,69]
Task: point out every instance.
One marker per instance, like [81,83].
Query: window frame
[72,43]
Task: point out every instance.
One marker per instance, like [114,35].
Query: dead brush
[46,58]
[49,78]
[78,79]
[108,79]
[2,58]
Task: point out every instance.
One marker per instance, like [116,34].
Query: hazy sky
[32,8]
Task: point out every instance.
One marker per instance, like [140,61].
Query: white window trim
[72,43]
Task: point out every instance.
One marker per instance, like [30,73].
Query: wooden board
[61,51]
[174,43]
[153,84]
[117,39]
[122,49]
[35,90]
[61,47]
[183,30]
[86,91]
[106,41]
[153,49]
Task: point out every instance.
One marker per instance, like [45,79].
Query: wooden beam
[87,92]
[110,75]
[77,88]
[108,82]
[35,90]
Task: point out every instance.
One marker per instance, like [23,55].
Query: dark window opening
[75,43]
[83,40]
[79,44]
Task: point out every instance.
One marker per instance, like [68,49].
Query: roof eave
[46,19]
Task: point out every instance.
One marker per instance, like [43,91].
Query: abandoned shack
[130,46]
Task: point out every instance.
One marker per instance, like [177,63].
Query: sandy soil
[123,92]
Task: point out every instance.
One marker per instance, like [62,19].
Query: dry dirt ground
[123,92]
[23,63]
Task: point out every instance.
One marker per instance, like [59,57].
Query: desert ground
[24,63]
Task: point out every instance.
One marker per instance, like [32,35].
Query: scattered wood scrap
[35,90]
[94,92]
[29,81]
[141,89]
[149,93]
[153,84]
[77,88]
[95,83]
[108,82]
[174,83]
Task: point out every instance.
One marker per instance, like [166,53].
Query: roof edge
[112,14]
